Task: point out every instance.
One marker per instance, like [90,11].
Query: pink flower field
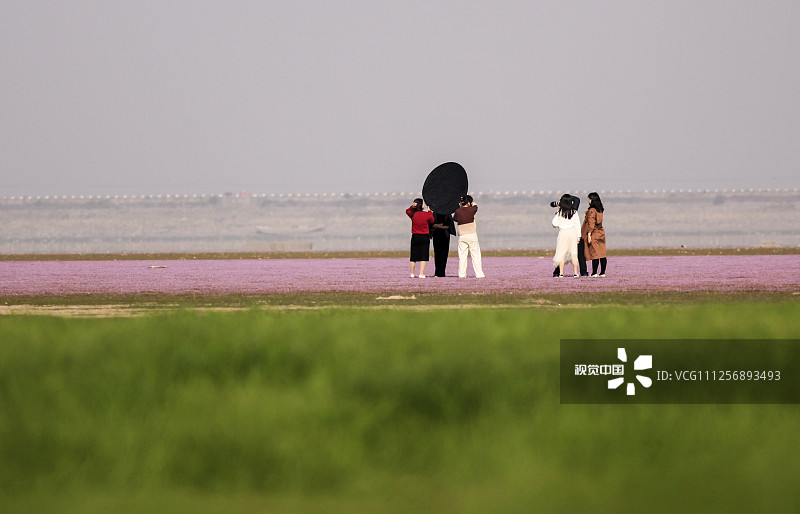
[730,273]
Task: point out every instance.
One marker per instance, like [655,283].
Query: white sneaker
[412,275]
[603,275]
[576,276]
[422,276]
[595,275]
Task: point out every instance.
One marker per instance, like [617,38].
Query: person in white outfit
[468,237]
[568,224]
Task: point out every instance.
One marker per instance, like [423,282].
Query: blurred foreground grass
[345,410]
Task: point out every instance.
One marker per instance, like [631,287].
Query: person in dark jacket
[443,228]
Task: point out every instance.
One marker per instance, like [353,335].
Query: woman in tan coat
[594,235]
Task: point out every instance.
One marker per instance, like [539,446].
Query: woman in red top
[420,235]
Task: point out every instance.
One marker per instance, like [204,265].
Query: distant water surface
[378,222]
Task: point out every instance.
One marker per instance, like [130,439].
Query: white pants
[468,244]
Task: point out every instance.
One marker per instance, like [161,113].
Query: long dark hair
[594,201]
[565,209]
[418,207]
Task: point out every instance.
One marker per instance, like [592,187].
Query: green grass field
[374,410]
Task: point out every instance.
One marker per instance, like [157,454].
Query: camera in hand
[574,199]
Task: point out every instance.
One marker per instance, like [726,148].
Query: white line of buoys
[377,195]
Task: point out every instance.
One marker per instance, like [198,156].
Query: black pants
[602,262]
[582,257]
[581,260]
[441,247]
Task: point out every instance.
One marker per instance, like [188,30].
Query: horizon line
[245,194]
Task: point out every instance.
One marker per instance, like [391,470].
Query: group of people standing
[576,242]
[580,242]
[427,225]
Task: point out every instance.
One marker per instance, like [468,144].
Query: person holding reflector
[443,189]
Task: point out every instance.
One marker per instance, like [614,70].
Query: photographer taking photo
[576,202]
[421,220]
[568,224]
[468,237]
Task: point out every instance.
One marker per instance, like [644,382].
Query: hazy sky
[194,96]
